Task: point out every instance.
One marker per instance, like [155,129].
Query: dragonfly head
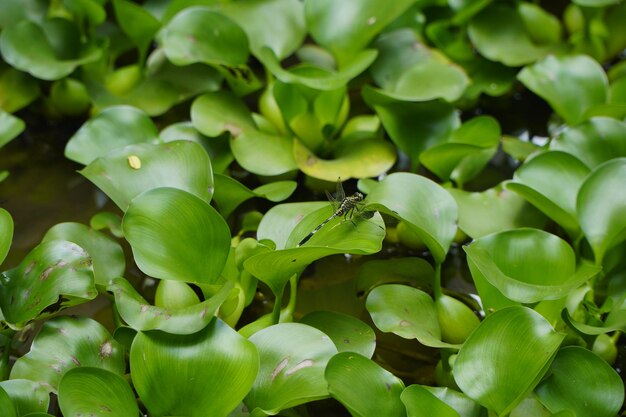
[358,196]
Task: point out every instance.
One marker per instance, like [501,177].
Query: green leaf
[348,333]
[17,89]
[499,34]
[582,382]
[217,148]
[286,31]
[362,237]
[32,48]
[230,193]
[198,34]
[556,198]
[327,80]
[406,69]
[17,10]
[96,392]
[106,254]
[125,173]
[406,311]
[212,370]
[90,10]
[142,316]
[420,402]
[413,127]
[10,127]
[426,207]
[137,23]
[464,406]
[65,343]
[346,27]
[107,220]
[595,141]
[494,210]
[407,270]
[467,151]
[6,233]
[28,396]
[52,270]
[363,386]
[256,151]
[572,85]
[348,162]
[293,358]
[175,235]
[7,404]
[113,128]
[601,205]
[505,358]
[527,265]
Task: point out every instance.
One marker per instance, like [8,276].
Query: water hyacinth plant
[473,267]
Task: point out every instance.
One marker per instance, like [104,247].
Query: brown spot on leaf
[311,160]
[46,273]
[75,360]
[405,323]
[29,268]
[281,365]
[234,130]
[307,363]
[106,350]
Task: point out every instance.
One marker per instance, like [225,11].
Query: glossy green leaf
[595,3]
[125,173]
[499,34]
[10,127]
[420,402]
[107,220]
[65,343]
[348,333]
[615,320]
[175,235]
[406,270]
[96,392]
[230,193]
[527,265]
[406,311]
[426,207]
[319,81]
[27,396]
[7,404]
[90,10]
[467,151]
[286,31]
[142,316]
[582,84]
[217,148]
[258,152]
[113,128]
[595,141]
[174,295]
[156,88]
[599,390]
[34,49]
[406,69]
[494,210]
[600,206]
[458,401]
[555,198]
[196,367]
[505,358]
[288,224]
[52,270]
[349,156]
[106,254]
[137,23]
[346,27]
[198,34]
[413,127]
[363,386]
[17,89]
[293,358]
[6,233]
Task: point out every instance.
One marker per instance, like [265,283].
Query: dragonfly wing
[340,194]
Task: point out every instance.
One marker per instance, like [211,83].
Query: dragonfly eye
[359,195]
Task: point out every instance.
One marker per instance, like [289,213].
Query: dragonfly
[344,206]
